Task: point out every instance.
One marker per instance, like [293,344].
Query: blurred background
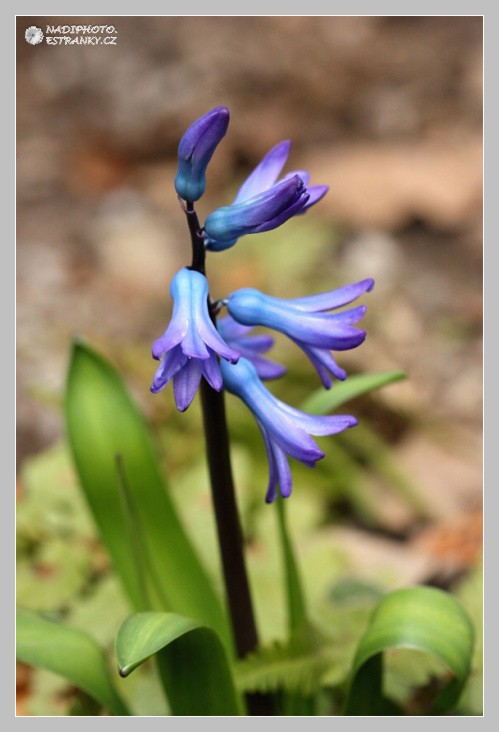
[385,110]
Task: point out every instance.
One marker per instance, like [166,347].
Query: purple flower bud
[263,212]
[286,431]
[195,150]
[226,224]
[305,322]
[188,348]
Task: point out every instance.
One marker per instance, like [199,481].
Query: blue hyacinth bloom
[305,321]
[251,347]
[195,150]
[262,203]
[286,431]
[188,348]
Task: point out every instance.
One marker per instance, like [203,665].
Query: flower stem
[198,251]
[230,537]
[227,519]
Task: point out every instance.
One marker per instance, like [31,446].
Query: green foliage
[291,667]
[323,401]
[192,661]
[470,592]
[104,425]
[420,618]
[311,607]
[67,652]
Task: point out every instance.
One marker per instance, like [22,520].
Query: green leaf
[364,439]
[290,667]
[421,618]
[102,424]
[323,401]
[297,616]
[69,653]
[293,704]
[192,661]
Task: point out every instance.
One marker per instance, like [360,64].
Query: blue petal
[191,324]
[229,222]
[175,332]
[169,366]
[279,470]
[266,369]
[282,216]
[214,340]
[250,346]
[266,172]
[332,331]
[242,379]
[315,195]
[320,425]
[186,383]
[304,175]
[230,328]
[257,343]
[211,371]
[324,363]
[334,298]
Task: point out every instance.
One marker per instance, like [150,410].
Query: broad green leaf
[104,425]
[192,661]
[421,618]
[69,653]
[323,401]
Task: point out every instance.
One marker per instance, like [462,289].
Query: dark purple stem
[230,537]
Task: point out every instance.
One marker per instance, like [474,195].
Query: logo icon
[34,35]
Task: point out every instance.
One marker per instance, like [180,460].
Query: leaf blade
[69,653]
[323,401]
[192,662]
[102,422]
[422,618]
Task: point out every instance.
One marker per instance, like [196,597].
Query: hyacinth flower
[188,348]
[306,321]
[286,431]
[262,203]
[202,351]
[251,347]
[195,150]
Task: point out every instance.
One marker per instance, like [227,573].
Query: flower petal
[186,383]
[331,331]
[315,195]
[266,172]
[334,298]
[231,329]
[170,364]
[211,371]
[266,369]
[275,204]
[324,363]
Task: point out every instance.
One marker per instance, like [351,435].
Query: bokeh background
[385,110]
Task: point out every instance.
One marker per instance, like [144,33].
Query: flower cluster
[225,352]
